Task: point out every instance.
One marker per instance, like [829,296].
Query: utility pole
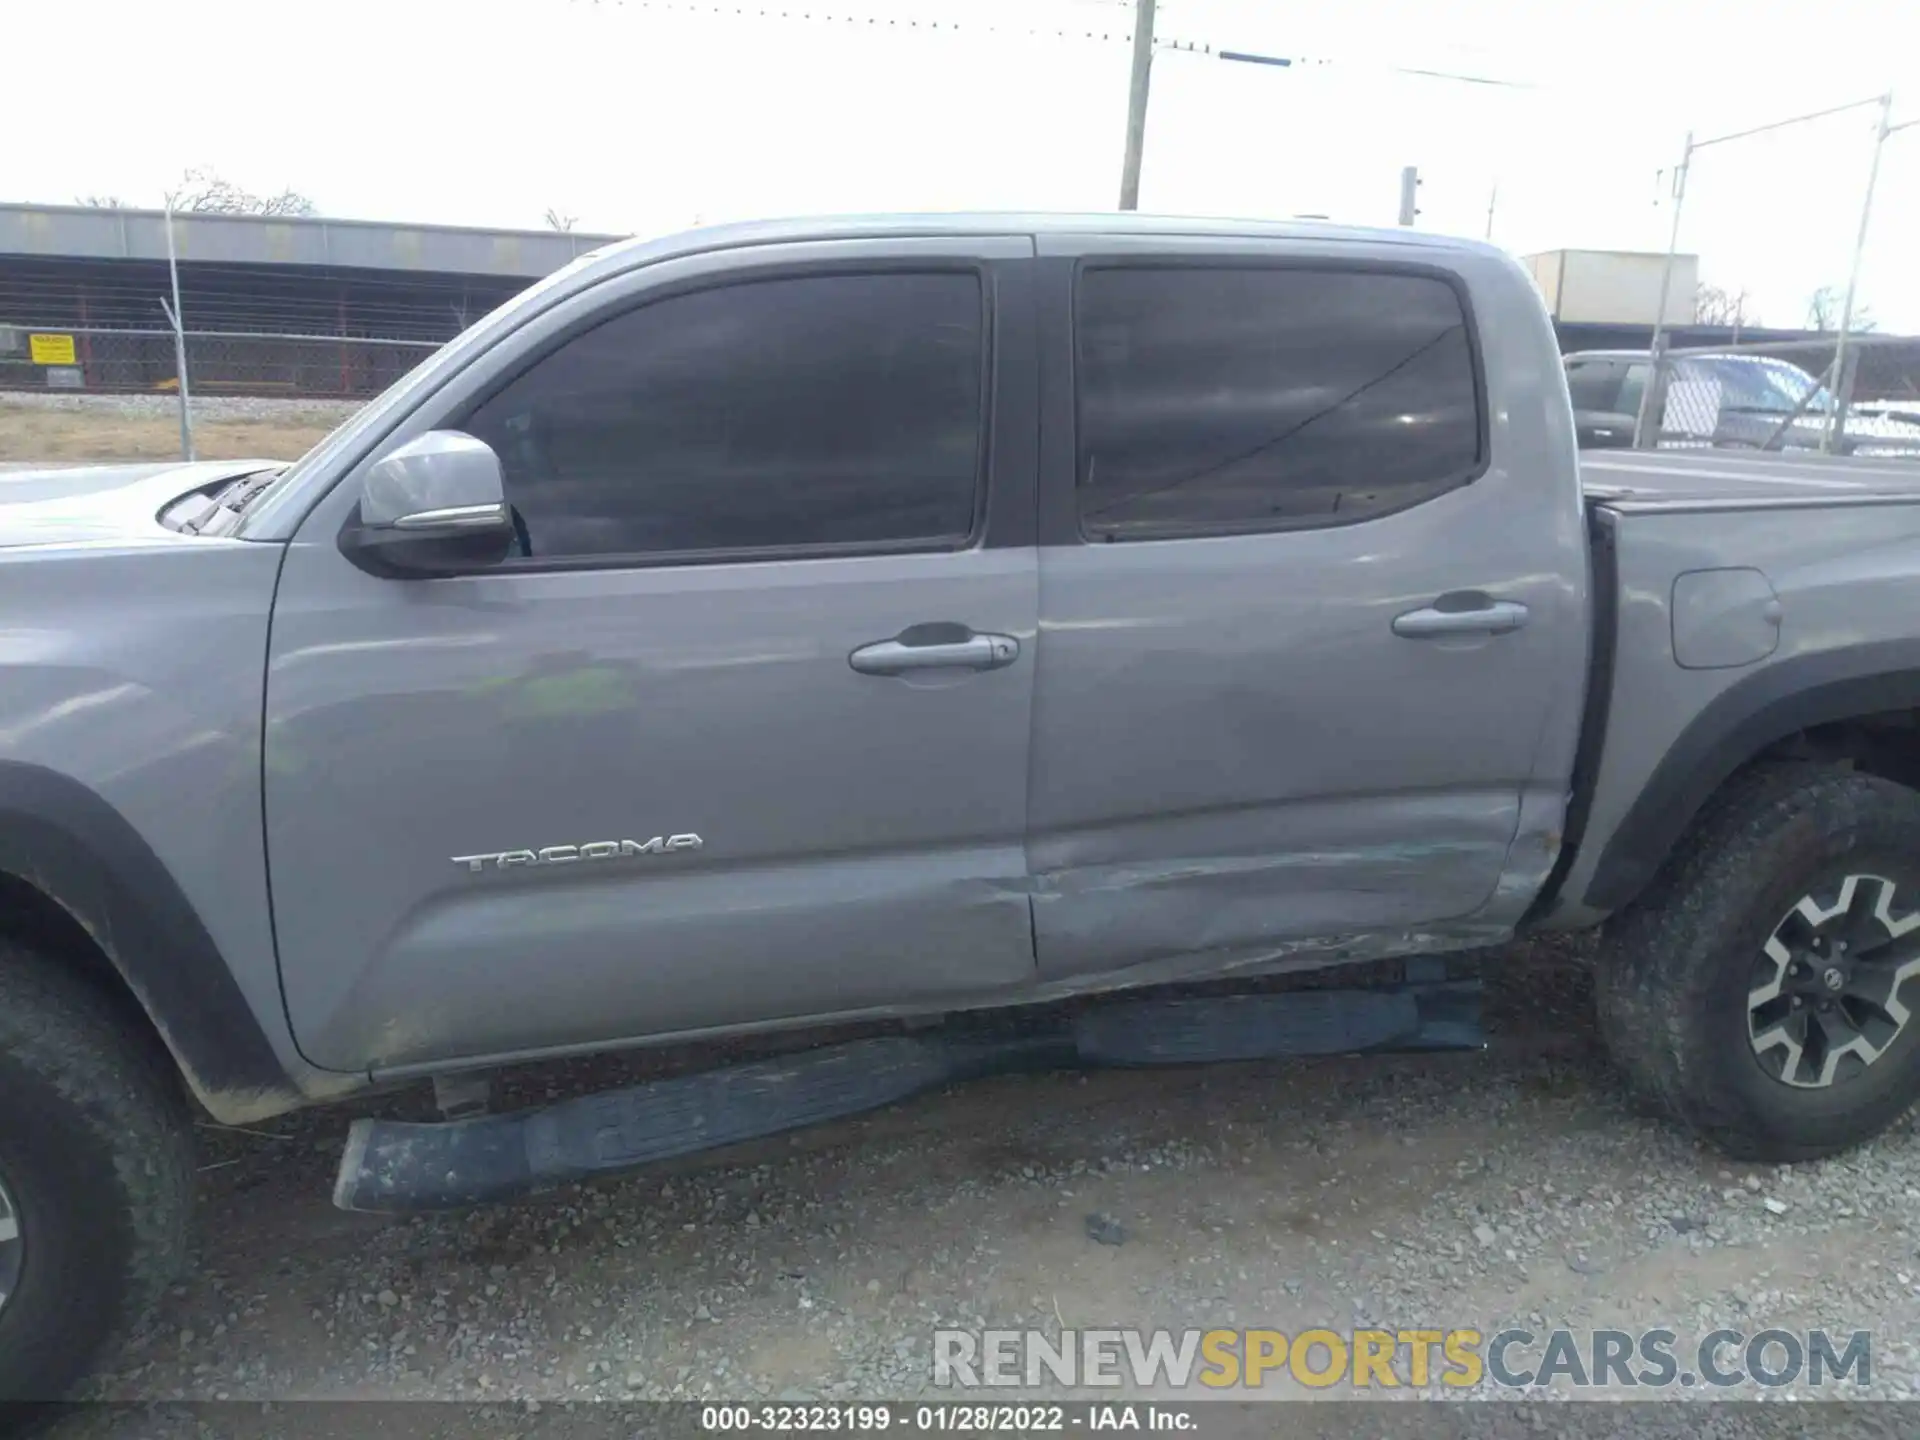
[1645,423]
[1137,103]
[1493,199]
[1842,376]
[1653,393]
[1409,194]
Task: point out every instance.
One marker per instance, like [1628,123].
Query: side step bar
[399,1167]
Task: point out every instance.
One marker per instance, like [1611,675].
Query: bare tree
[1716,305]
[557,221]
[202,192]
[100,202]
[1823,312]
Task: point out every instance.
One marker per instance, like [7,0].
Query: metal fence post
[1137,104]
[179,343]
[1650,420]
[1846,365]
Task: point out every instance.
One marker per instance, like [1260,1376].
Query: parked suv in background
[1740,402]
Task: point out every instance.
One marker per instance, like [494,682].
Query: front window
[805,413]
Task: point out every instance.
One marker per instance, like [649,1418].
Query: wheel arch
[78,882]
[1848,703]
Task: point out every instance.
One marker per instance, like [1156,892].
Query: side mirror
[435,506]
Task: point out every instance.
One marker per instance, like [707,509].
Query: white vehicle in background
[1891,412]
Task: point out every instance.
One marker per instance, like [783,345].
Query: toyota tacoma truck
[912,621]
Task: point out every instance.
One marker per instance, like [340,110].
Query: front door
[1310,604]
[741,732]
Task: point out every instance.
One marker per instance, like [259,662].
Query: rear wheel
[1764,990]
[96,1176]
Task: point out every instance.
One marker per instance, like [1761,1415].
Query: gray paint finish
[1233,750]
[862,834]
[1724,618]
[1202,755]
[1846,575]
[134,666]
[1667,479]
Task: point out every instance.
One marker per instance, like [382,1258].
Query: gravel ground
[1517,1186]
[208,407]
[77,429]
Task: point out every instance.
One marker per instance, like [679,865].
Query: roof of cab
[860,227]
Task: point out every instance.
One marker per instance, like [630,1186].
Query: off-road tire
[1673,969]
[96,1155]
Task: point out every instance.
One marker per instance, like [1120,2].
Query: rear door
[742,732]
[1311,596]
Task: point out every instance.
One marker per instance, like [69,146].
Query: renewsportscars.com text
[1379,1359]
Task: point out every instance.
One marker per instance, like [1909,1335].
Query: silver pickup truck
[902,621]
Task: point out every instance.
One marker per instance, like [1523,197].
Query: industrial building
[340,308]
[271,305]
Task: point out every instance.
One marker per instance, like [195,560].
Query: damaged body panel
[944,625]
[1261,625]
[1250,737]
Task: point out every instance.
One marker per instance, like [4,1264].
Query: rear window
[1218,401]
[1594,384]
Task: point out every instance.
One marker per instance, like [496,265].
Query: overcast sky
[651,116]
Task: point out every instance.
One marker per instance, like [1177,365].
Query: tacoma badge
[567,854]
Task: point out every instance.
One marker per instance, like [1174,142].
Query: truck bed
[1738,479]
[1729,588]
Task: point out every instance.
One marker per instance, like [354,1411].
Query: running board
[400,1167]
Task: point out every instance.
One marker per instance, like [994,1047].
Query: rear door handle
[1457,615]
[897,657]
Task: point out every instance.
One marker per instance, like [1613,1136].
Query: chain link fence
[1783,210]
[219,362]
[1779,395]
[1774,395]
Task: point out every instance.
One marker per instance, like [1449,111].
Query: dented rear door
[1312,597]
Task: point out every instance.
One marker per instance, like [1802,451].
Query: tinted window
[1594,384]
[1214,401]
[778,414]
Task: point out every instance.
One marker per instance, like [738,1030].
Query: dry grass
[36,434]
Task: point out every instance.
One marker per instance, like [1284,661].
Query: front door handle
[1466,613]
[899,656]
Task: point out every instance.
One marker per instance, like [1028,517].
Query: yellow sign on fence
[50,349]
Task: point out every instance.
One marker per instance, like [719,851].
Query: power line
[945,26]
[928,25]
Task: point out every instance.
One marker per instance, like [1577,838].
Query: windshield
[1768,387]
